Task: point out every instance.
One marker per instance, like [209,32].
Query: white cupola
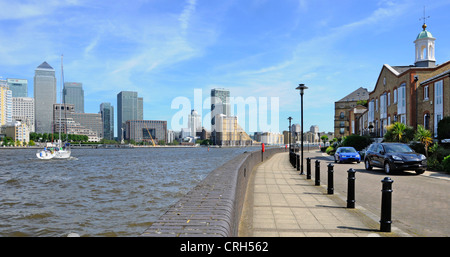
[425,49]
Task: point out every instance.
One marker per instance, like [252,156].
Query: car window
[398,148]
[348,150]
[373,147]
[379,148]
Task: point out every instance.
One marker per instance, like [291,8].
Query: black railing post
[317,179]
[351,189]
[330,179]
[297,156]
[308,168]
[386,205]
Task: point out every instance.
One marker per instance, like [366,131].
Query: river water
[98,192]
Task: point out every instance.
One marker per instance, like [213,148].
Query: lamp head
[302,88]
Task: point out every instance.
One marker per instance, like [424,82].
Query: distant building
[220,105]
[88,124]
[129,107]
[23,111]
[271,138]
[44,97]
[195,124]
[6,104]
[18,132]
[342,110]
[73,93]
[19,87]
[107,113]
[229,133]
[146,131]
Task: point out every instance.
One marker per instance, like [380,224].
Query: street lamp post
[302,88]
[290,118]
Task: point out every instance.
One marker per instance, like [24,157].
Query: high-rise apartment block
[44,97]
[73,93]
[23,111]
[5,103]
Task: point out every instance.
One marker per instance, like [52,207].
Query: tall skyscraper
[44,97]
[220,104]
[73,93]
[129,107]
[107,112]
[19,87]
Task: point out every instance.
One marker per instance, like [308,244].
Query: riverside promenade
[281,203]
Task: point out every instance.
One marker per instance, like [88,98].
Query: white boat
[62,151]
[45,154]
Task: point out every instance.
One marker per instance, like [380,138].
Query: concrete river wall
[213,208]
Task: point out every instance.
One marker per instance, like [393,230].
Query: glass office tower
[44,97]
[73,93]
[129,107]
[19,87]
[107,112]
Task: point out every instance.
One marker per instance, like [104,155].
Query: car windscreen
[348,150]
[397,148]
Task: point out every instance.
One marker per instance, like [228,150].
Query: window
[425,93]
[395,96]
[426,121]
[342,130]
[389,99]
[342,115]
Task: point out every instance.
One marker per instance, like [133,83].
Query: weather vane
[424,18]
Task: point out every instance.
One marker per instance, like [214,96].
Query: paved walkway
[280,202]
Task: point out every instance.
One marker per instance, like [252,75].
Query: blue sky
[164,49]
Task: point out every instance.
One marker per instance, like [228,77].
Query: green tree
[424,136]
[324,139]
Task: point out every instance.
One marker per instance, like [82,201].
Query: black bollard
[386,205]
[297,156]
[317,173]
[351,189]
[330,179]
[308,168]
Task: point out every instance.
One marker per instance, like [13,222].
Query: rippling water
[98,192]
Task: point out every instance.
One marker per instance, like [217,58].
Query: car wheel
[387,168]
[418,172]
[367,164]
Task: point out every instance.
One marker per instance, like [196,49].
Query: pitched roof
[45,65]
[359,94]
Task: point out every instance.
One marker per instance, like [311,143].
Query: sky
[173,52]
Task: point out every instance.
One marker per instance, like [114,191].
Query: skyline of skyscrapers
[44,97]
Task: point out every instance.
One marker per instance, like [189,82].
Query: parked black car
[394,156]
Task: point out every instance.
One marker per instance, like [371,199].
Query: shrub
[330,150]
[443,129]
[357,141]
[446,164]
